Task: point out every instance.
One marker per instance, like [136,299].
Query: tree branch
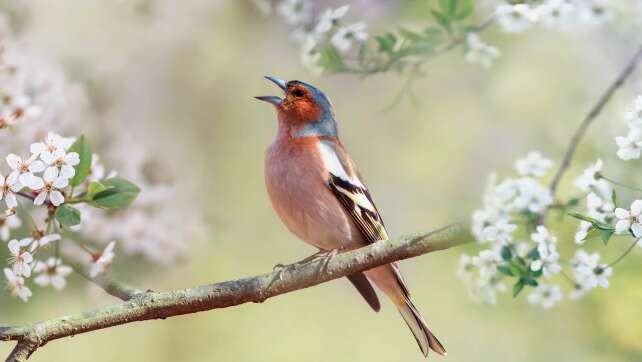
[592,115]
[159,305]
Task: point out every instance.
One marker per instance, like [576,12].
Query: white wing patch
[333,164]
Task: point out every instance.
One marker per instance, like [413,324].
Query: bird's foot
[323,255]
[326,256]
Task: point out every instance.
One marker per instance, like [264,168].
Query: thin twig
[116,288]
[160,305]
[590,117]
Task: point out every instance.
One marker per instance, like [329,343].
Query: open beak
[274,99]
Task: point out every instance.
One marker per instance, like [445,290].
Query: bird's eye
[298,93]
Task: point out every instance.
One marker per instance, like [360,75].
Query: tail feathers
[424,337]
[366,290]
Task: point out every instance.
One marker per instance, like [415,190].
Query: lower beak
[271,99]
[274,99]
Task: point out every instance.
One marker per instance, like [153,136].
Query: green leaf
[442,20]
[448,7]
[533,254]
[517,288]
[118,193]
[518,267]
[68,215]
[530,281]
[331,60]
[387,42]
[538,273]
[94,188]
[606,235]
[409,34]
[507,254]
[596,223]
[614,198]
[505,270]
[574,202]
[81,146]
[465,8]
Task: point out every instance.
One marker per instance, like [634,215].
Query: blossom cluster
[47,178]
[513,202]
[517,17]
[315,35]
[326,44]
[513,251]
[41,196]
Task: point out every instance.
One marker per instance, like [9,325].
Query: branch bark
[149,305]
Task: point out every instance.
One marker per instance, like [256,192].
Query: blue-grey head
[303,108]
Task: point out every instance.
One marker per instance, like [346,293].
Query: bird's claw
[326,257]
[323,255]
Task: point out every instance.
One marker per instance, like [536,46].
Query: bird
[319,195]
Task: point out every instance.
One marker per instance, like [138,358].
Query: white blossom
[52,272]
[546,295]
[295,12]
[515,18]
[548,260]
[310,55]
[24,170]
[63,164]
[595,12]
[629,219]
[634,116]
[53,147]
[465,267]
[16,284]
[344,36]
[629,146]
[533,165]
[487,262]
[501,231]
[486,288]
[480,52]
[49,188]
[40,240]
[597,208]
[582,231]
[591,180]
[557,13]
[532,195]
[20,258]
[102,261]
[8,187]
[330,18]
[588,273]
[6,224]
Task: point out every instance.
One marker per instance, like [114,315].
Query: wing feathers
[357,201]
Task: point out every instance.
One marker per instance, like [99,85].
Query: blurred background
[178,78]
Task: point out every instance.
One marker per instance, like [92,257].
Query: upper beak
[274,99]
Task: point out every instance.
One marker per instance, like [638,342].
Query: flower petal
[14,161]
[40,199]
[56,198]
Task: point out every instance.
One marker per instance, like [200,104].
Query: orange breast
[295,180]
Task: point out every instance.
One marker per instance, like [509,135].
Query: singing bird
[321,198]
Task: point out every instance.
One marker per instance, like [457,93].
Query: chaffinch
[319,195]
